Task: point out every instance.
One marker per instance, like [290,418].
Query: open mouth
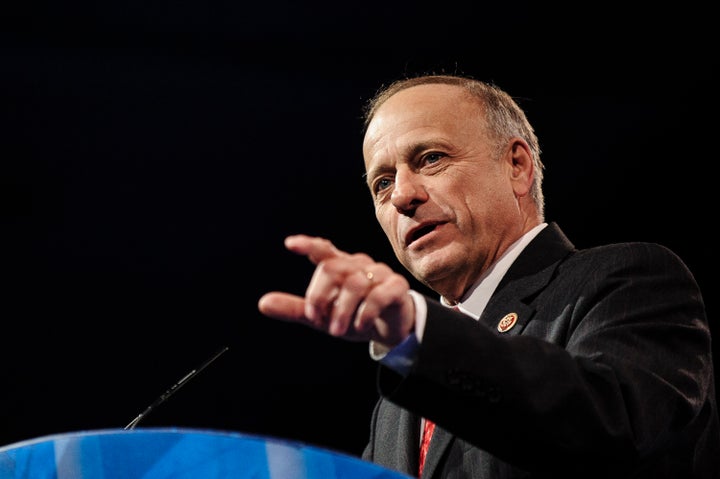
[418,233]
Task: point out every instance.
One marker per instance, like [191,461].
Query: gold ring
[369,275]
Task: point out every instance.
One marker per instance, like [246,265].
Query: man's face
[442,196]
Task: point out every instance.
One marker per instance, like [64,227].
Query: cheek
[387,226]
[486,207]
[385,220]
[388,223]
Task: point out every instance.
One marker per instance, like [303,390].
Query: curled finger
[355,288]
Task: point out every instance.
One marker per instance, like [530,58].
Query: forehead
[423,108]
[434,97]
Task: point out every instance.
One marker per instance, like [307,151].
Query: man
[560,362]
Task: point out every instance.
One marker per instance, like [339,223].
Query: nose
[408,191]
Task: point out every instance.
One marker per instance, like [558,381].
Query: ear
[522,169]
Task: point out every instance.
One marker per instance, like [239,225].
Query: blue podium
[176,453]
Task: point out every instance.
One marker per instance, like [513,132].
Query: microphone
[184,380]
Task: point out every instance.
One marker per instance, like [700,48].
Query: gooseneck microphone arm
[184,380]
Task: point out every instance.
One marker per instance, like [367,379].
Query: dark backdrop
[155,154]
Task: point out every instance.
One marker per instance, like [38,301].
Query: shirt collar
[477,297]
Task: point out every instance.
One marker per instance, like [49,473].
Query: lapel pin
[507,322]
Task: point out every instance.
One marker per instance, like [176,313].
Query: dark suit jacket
[607,373]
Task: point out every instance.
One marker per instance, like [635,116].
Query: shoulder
[627,260]
[649,268]
[553,239]
[653,255]
[552,247]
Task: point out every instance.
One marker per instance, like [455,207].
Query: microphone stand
[184,380]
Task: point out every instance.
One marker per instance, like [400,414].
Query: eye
[432,158]
[382,184]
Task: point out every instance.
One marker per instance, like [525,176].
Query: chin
[436,266]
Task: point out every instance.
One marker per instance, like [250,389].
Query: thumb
[283,306]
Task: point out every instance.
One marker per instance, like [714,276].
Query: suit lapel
[508,311]
[507,317]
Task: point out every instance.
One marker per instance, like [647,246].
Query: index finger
[315,248]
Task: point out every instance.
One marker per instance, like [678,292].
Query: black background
[155,155]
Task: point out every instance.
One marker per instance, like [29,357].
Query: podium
[177,453]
